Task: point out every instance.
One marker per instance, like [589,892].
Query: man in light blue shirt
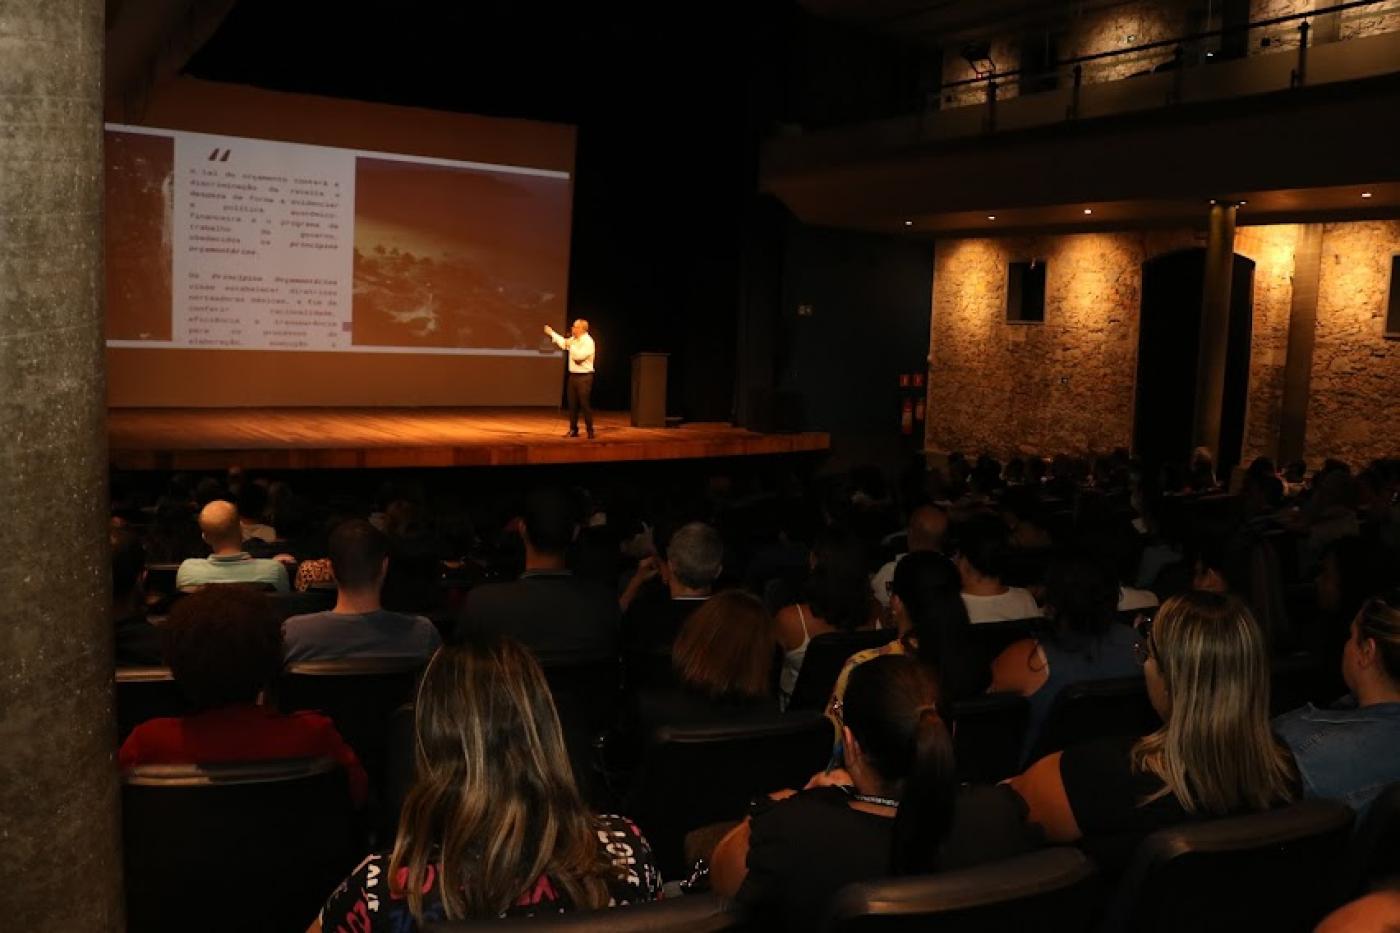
[358,627]
[229,563]
[1351,752]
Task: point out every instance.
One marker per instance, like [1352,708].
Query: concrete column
[59,804]
[1302,335]
[1215,327]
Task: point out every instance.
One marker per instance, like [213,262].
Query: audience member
[224,648]
[1084,641]
[1377,912]
[1207,670]
[494,825]
[414,583]
[358,627]
[228,562]
[138,642]
[723,665]
[980,544]
[896,809]
[928,524]
[560,618]
[1351,751]
[692,563]
[252,507]
[931,621]
[836,598]
[1247,566]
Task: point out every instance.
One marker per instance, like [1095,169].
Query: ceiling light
[1365,194]
[1088,210]
[1243,203]
[909,223]
[991,216]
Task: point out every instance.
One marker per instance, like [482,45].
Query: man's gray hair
[696,555]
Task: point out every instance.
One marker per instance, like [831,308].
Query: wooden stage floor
[335,438]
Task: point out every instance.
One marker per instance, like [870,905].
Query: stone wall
[1354,409]
[1123,27]
[1068,384]
[1006,54]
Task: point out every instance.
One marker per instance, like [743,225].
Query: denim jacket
[1344,753]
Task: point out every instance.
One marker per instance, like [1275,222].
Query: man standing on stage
[579,346]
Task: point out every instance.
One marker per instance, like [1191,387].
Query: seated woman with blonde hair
[1207,669]
[493,825]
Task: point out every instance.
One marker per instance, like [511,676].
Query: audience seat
[144,693]
[1052,890]
[987,734]
[1265,871]
[989,639]
[1374,856]
[1094,708]
[695,913]
[697,775]
[587,697]
[234,847]
[160,578]
[294,603]
[826,655]
[359,694]
[1296,679]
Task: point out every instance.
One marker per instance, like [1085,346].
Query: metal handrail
[1176,42]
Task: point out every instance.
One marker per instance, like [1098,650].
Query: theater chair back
[586,696]
[1094,708]
[359,694]
[1265,871]
[693,776]
[1050,891]
[987,734]
[826,655]
[696,913]
[146,693]
[234,847]
[1374,855]
[986,640]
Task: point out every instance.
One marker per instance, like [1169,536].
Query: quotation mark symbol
[214,155]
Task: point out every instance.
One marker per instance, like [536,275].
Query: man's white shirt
[580,350]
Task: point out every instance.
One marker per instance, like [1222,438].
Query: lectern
[649,390]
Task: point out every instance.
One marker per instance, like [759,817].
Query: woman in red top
[224,646]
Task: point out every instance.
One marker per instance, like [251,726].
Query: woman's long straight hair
[1216,752]
[494,805]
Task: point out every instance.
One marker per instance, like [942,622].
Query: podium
[649,390]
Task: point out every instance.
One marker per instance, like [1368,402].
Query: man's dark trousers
[580,392]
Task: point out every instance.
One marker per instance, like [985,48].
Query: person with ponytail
[896,809]
[930,617]
[493,825]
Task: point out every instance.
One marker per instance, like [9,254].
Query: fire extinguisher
[906,418]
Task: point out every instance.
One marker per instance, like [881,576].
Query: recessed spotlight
[1210,55]
[991,216]
[1088,210]
[1243,203]
[1365,194]
[1212,201]
[909,223]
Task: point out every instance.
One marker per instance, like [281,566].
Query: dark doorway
[1168,340]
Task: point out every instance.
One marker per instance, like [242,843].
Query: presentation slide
[273,249]
[232,243]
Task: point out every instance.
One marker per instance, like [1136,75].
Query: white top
[580,350]
[1130,599]
[880,583]
[792,663]
[1014,604]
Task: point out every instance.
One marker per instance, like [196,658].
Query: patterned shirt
[364,903]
